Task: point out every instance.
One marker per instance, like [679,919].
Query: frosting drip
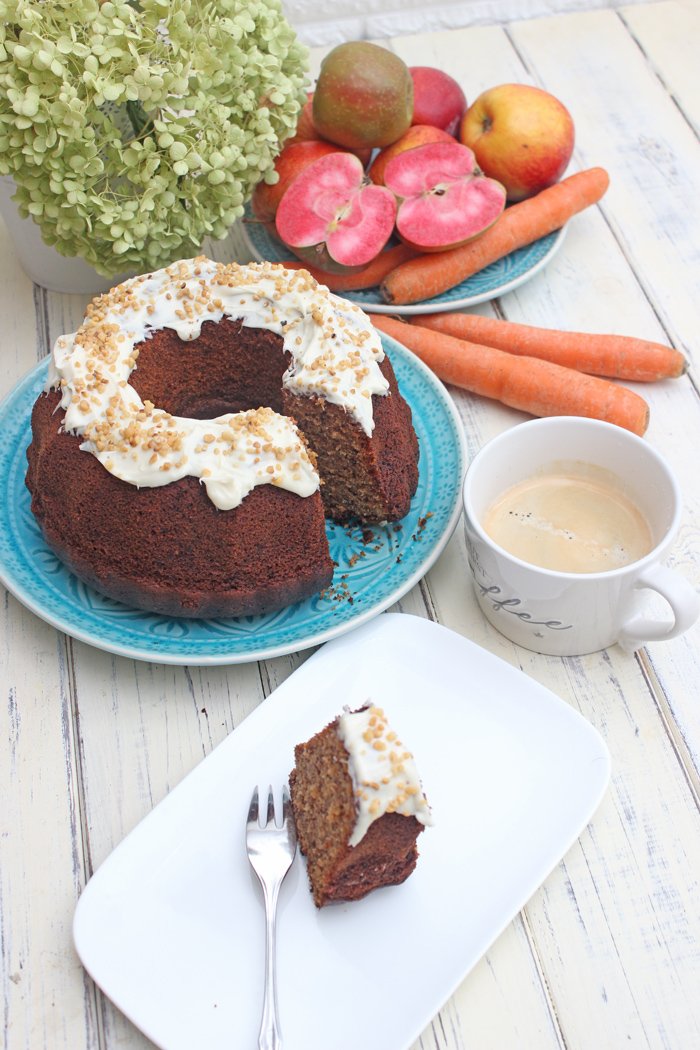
[384,773]
[334,349]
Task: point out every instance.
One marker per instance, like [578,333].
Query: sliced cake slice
[358,805]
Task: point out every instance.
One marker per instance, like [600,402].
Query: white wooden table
[607,952]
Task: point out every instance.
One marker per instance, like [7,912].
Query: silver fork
[271,851]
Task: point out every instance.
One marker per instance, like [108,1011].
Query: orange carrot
[526,383]
[521,224]
[618,356]
[370,275]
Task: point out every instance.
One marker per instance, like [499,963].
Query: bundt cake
[358,806]
[199,427]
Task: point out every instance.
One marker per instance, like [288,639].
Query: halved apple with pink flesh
[332,217]
[444,198]
[290,162]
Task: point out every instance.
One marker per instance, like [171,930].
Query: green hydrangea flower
[133,130]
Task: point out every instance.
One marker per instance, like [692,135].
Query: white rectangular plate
[171,925]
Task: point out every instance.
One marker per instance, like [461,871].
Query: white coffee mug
[572,613]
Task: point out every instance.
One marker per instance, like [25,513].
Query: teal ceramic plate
[373,571]
[494,280]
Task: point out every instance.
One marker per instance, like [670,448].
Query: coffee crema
[569,522]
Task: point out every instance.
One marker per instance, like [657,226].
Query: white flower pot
[44,264]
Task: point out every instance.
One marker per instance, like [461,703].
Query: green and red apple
[363,96]
[306,131]
[521,135]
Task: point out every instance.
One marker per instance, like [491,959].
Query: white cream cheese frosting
[335,353]
[384,773]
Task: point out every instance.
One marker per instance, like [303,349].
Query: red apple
[332,217]
[290,163]
[521,135]
[437,99]
[417,135]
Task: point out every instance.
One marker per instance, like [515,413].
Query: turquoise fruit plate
[375,567]
[494,280]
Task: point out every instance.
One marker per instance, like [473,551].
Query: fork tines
[254,810]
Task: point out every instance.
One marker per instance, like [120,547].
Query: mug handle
[680,595]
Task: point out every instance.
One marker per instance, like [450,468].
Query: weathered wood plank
[668,34]
[653,166]
[46,1000]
